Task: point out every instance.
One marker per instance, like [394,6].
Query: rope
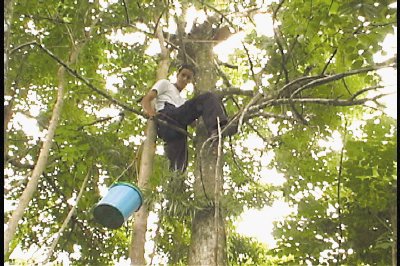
[201,164]
[123,172]
[216,191]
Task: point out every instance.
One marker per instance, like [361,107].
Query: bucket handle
[123,172]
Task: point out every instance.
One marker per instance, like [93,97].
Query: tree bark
[208,242]
[137,248]
[203,250]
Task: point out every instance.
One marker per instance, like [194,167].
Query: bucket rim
[132,186]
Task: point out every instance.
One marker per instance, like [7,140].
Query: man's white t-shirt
[166,92]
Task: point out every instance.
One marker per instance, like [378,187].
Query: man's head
[187,66]
[185,75]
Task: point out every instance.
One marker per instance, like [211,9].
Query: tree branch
[104,94]
[291,86]
[254,111]
[257,97]
[365,90]
[54,20]
[222,74]
[270,115]
[15,162]
[128,21]
[329,61]
[322,101]
[226,64]
[64,198]
[101,120]
[275,12]
[217,11]
[296,113]
[233,91]
[328,79]
[87,83]
[69,216]
[21,46]
[279,42]
[250,62]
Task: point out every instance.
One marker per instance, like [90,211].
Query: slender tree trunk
[163,65]
[137,248]
[140,219]
[208,242]
[31,187]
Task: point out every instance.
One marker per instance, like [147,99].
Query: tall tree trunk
[137,248]
[208,242]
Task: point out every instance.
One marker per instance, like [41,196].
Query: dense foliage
[345,198]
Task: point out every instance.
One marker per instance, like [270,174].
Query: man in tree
[171,107]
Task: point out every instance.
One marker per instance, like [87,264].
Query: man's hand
[148,108]
[150,113]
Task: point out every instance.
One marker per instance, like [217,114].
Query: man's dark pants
[207,105]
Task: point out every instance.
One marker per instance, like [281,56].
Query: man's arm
[148,108]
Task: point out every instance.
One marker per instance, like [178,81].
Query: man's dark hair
[187,66]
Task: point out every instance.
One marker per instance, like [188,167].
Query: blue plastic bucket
[121,200]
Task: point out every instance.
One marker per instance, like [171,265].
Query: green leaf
[357,64]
